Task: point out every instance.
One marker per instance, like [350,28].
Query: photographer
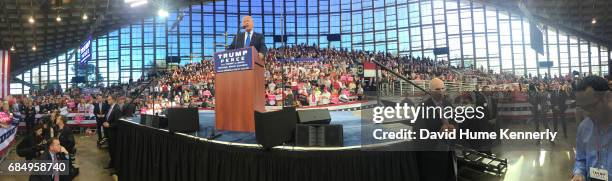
[32,144]
[64,134]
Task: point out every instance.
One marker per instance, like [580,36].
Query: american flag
[5,74]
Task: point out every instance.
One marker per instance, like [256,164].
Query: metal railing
[402,88]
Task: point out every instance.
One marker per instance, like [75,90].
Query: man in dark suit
[110,126]
[129,108]
[435,161]
[559,97]
[100,109]
[54,153]
[249,38]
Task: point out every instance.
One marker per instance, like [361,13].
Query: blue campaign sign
[233,60]
[85,51]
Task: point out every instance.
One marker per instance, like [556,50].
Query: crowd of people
[46,120]
[297,76]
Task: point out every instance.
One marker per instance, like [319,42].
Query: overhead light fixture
[162,13]
[58,18]
[136,3]
[12,48]
[31,19]
[85,16]
[34,47]
[594,20]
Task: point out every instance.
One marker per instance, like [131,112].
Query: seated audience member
[53,152]
[83,106]
[312,100]
[271,98]
[344,96]
[335,98]
[325,97]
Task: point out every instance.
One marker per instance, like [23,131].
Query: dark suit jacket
[113,117]
[44,108]
[66,138]
[558,101]
[129,109]
[257,40]
[431,124]
[29,114]
[103,109]
[434,165]
[47,156]
[28,147]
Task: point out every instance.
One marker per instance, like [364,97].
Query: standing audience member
[110,126]
[100,109]
[29,112]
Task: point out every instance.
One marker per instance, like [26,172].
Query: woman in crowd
[29,115]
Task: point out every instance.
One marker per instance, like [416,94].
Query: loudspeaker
[280,38]
[440,51]
[334,37]
[545,64]
[154,121]
[183,119]
[275,128]
[319,135]
[78,79]
[314,116]
[173,59]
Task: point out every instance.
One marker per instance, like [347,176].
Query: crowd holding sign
[302,59]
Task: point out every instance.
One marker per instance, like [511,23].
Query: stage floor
[350,121]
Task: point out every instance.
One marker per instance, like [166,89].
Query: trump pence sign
[233,60]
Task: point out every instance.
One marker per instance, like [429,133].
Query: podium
[239,89]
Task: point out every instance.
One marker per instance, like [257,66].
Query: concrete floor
[89,159]
[541,161]
[532,161]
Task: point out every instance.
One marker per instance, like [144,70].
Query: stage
[147,153]
[350,120]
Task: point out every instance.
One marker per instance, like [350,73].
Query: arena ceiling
[571,16]
[52,37]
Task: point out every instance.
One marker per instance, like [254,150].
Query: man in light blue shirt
[593,158]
